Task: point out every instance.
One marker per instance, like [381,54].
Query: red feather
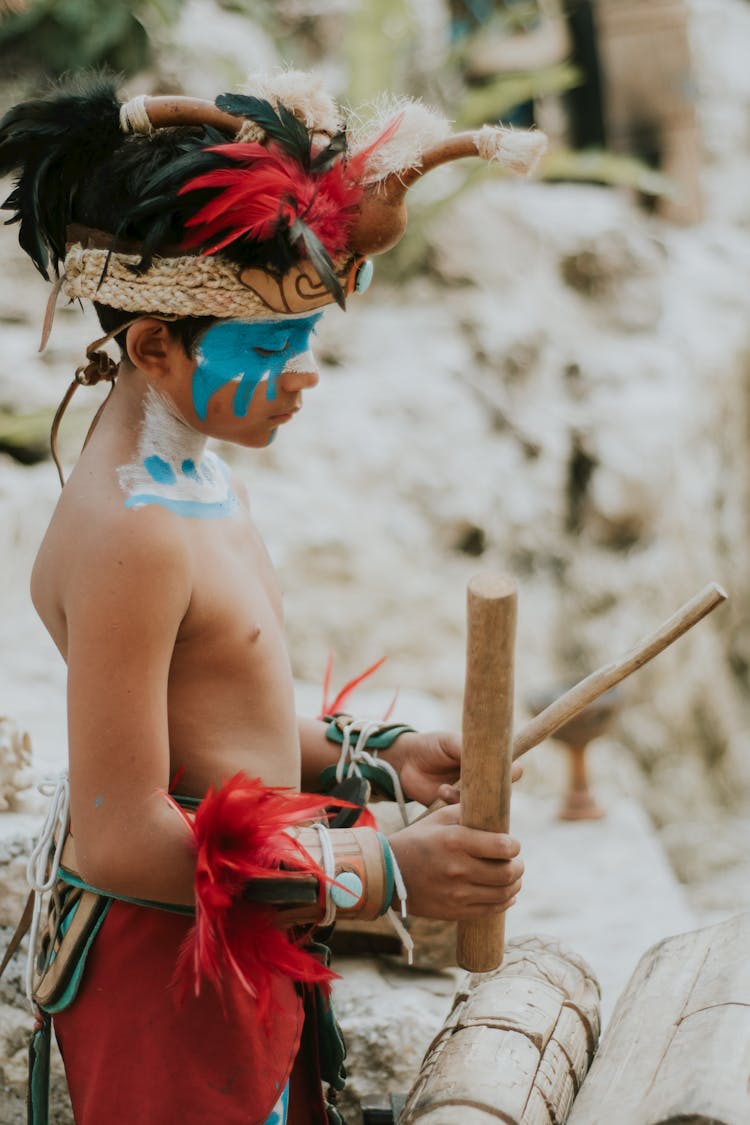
[357,164]
[263,190]
[336,705]
[266,191]
[238,834]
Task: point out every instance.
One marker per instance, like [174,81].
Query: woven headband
[193,285]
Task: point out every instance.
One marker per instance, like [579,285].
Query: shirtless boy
[157,590]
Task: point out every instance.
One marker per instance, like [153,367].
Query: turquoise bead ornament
[346,892]
[363,279]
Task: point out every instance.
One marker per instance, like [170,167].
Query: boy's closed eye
[271,351]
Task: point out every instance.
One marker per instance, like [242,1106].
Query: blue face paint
[247,353]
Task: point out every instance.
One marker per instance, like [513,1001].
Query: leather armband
[361,740]
[359,869]
[380,736]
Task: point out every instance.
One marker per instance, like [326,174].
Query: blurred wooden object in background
[648,94]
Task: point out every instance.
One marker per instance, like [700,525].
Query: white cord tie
[134,118]
[41,870]
[398,922]
[329,867]
[358,753]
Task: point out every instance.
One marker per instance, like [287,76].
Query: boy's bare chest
[235,608]
[231,698]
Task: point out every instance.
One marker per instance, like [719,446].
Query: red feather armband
[263,881]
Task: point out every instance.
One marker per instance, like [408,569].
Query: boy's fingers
[486,908]
[489,896]
[487,845]
[494,873]
[449,794]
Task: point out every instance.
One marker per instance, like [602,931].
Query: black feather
[159,216]
[299,231]
[328,156]
[51,143]
[279,124]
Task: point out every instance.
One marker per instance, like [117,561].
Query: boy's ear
[150,346]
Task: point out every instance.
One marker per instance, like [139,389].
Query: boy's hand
[452,872]
[429,765]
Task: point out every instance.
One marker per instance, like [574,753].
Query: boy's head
[233,222]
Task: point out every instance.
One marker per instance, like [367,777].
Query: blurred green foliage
[54,36]
[378,41]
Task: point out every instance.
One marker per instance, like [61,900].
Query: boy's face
[247,378]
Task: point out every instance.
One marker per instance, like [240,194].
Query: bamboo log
[515,1046]
[487,742]
[678,1046]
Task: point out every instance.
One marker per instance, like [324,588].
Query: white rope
[398,923]
[41,870]
[329,867]
[358,753]
[133,116]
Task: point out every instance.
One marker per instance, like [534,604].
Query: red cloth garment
[132,1053]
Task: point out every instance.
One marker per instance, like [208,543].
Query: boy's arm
[123,612]
[428,763]
[450,871]
[423,761]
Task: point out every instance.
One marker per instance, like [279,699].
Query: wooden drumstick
[575,700]
[487,752]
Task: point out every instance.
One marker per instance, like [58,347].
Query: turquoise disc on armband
[346,892]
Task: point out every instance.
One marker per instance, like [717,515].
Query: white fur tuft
[302,94]
[517,150]
[420,127]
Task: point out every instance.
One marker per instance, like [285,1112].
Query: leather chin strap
[99,366]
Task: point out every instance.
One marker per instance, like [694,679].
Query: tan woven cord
[185,286]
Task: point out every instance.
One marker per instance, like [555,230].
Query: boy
[209,247]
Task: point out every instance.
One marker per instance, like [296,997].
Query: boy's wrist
[362,742]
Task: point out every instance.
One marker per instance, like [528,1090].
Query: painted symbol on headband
[248,353]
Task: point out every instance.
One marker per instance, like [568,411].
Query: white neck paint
[167,447]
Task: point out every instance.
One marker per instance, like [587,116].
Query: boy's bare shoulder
[97,552]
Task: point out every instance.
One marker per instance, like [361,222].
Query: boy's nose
[300,374]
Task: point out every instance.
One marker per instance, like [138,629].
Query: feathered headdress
[255,206]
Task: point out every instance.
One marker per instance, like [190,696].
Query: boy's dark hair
[186,331]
